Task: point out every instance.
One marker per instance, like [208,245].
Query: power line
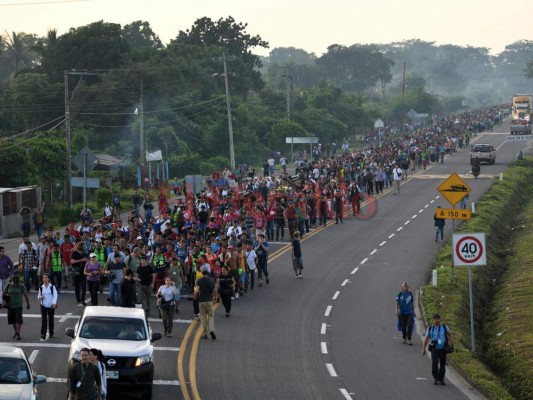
[41,2]
[32,129]
[32,138]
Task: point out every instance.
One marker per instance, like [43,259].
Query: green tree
[283,129]
[225,36]
[99,45]
[139,34]
[18,52]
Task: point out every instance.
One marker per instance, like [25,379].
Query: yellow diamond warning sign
[454,189]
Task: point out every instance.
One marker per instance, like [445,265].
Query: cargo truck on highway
[522,114]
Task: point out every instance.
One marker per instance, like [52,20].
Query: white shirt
[237,230]
[397,173]
[48,298]
[250,259]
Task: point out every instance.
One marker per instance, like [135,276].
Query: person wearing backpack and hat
[439,336]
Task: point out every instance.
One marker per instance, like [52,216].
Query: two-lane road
[332,334]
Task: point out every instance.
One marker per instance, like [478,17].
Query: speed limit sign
[469,249]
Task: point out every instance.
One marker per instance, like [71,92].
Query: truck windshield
[113,328]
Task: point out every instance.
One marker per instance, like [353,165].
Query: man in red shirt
[259,222]
[66,253]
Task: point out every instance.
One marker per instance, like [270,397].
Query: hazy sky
[311,25]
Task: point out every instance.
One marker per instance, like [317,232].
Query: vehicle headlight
[147,358]
[76,356]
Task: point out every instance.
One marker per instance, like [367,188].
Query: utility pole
[68,192]
[228,105]
[290,89]
[141,129]
[403,97]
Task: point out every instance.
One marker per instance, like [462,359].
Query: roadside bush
[102,195]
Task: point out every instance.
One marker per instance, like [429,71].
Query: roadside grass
[501,367]
[510,333]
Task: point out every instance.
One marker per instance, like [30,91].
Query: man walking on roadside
[206,291]
[297,263]
[6,270]
[438,335]
[405,313]
[397,177]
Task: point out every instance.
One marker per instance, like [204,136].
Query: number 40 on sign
[469,249]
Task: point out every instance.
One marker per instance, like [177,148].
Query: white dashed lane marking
[406,222]
[432,201]
[328,310]
[336,295]
[399,229]
[373,252]
[323,328]
[414,216]
[323,347]
[331,370]
[345,282]
[346,394]
[421,210]
[364,261]
[391,235]
[382,243]
[354,271]
[426,206]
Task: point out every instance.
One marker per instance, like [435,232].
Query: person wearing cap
[405,312]
[438,336]
[93,271]
[117,267]
[204,294]
[15,291]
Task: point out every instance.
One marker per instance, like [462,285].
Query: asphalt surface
[330,335]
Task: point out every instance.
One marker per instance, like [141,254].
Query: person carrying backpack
[47,296]
[439,337]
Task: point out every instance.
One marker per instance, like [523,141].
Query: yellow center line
[278,253]
[181,356]
[192,360]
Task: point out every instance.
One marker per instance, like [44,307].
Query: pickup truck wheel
[148,394]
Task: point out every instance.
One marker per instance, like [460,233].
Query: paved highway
[330,335]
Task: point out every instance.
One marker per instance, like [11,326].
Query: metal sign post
[469,250]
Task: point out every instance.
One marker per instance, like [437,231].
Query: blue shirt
[438,334]
[405,302]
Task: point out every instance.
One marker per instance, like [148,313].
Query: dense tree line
[289,93]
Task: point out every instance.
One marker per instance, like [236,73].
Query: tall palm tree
[19,52]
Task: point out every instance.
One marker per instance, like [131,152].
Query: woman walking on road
[165,299]
[297,263]
[47,296]
[97,358]
[92,271]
